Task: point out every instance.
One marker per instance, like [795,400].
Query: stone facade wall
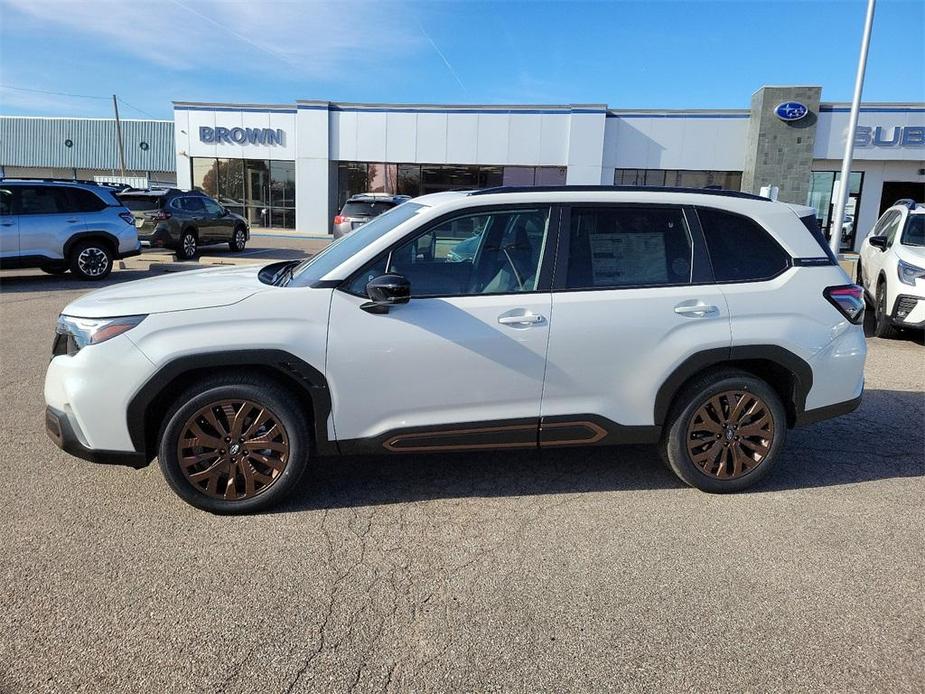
[780,153]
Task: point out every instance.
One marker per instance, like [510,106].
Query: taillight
[340,219]
[162,215]
[128,217]
[848,299]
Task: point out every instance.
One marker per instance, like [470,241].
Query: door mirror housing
[385,291]
[878,242]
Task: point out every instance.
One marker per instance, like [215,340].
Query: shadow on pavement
[883,439]
[38,281]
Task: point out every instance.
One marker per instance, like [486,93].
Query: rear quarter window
[812,225]
[85,201]
[740,249]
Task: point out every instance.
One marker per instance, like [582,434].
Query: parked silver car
[64,225]
[359,209]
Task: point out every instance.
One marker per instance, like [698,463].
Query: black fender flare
[110,240]
[309,383]
[800,372]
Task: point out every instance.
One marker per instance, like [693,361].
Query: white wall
[675,142]
[832,131]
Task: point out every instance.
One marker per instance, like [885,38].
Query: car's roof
[88,185]
[377,197]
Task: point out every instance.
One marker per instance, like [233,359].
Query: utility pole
[838,216]
[115,107]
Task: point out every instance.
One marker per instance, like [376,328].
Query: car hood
[911,254]
[179,291]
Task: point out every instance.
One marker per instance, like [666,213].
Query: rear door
[633,297]
[48,219]
[9,224]
[219,224]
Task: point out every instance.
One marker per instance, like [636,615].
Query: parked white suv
[892,268]
[705,322]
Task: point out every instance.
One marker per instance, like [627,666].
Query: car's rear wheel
[91,260]
[238,241]
[725,431]
[234,446]
[883,326]
[189,245]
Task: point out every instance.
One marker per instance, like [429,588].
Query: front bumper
[61,431]
[909,311]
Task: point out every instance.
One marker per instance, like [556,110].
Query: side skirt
[546,432]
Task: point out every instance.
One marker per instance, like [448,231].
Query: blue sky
[654,54]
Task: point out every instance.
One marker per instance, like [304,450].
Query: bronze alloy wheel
[233,449]
[730,434]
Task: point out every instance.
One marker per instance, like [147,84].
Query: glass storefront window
[408,180]
[490,176]
[435,179]
[262,191]
[728,180]
[519,175]
[823,189]
[282,184]
[205,175]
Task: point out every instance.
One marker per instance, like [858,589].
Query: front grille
[905,305]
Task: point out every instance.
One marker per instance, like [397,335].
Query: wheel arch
[789,375]
[148,407]
[103,236]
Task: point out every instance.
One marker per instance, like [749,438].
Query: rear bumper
[61,431]
[820,414]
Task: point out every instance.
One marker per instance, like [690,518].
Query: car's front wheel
[883,325]
[234,445]
[238,241]
[91,260]
[725,431]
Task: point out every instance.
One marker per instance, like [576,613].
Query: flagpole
[838,215]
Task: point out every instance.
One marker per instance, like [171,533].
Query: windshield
[914,235]
[313,269]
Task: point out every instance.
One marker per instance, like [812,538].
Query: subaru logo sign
[791,111]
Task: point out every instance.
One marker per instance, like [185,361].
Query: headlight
[908,273]
[73,334]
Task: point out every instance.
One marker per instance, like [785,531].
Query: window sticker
[621,259]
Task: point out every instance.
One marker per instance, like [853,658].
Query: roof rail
[58,180]
[908,202]
[616,189]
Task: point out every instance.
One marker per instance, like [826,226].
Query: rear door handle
[696,310]
[521,319]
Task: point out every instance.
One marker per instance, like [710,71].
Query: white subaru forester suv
[892,269]
[706,322]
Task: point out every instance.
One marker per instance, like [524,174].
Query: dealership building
[293,165]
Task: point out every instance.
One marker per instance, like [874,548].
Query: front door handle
[697,310]
[521,319]
[6,224]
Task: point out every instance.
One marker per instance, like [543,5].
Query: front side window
[891,228]
[212,207]
[496,252]
[193,205]
[613,247]
[740,249]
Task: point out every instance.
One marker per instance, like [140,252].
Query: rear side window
[85,201]
[140,203]
[365,209]
[43,200]
[628,247]
[740,249]
[812,224]
[192,204]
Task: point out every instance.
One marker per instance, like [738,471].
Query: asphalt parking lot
[577,570]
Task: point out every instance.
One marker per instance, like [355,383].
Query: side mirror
[878,242]
[387,290]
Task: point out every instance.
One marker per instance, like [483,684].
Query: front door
[633,298]
[461,365]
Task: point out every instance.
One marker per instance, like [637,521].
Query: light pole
[838,215]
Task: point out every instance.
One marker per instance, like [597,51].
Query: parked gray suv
[64,225]
[184,220]
[359,209]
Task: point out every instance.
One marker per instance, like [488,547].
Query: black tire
[678,438]
[286,414]
[189,245]
[90,260]
[238,240]
[883,326]
[54,269]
